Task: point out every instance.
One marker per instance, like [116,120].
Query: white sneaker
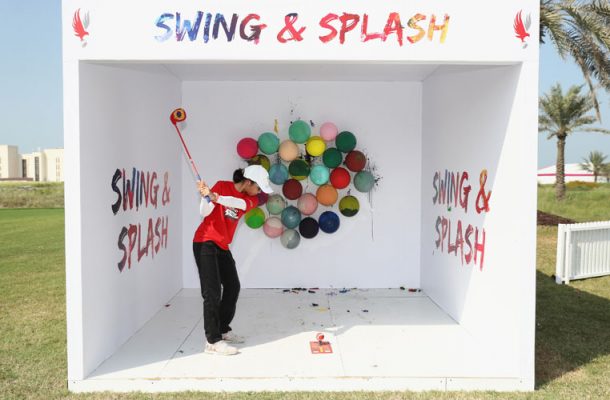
[232,338]
[221,348]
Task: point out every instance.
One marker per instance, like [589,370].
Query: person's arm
[233,202]
[205,207]
[206,204]
[245,204]
[227,201]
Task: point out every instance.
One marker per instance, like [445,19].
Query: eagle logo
[522,28]
[80,26]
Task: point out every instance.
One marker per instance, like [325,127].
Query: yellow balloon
[288,150]
[315,146]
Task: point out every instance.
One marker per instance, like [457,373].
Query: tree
[594,163]
[581,30]
[560,116]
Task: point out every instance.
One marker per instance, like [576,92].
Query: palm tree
[561,115]
[594,163]
[580,29]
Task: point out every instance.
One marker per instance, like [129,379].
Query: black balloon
[309,228]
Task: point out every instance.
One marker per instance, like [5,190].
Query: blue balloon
[278,174]
[329,222]
[291,216]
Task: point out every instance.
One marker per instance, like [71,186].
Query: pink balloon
[247,148]
[307,204]
[273,227]
[328,131]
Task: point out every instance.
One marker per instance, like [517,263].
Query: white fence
[583,251]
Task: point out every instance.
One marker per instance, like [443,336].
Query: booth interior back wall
[130,195]
[376,248]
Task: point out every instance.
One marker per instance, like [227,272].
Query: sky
[31,108]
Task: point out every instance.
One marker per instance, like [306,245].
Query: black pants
[219,288]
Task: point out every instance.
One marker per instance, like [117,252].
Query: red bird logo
[80,26]
[521,28]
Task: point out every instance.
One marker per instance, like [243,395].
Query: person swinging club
[228,202]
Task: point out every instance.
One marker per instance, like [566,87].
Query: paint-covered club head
[178,115]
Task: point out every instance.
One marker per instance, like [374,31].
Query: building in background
[40,166]
[9,162]
[573,172]
[31,166]
[54,159]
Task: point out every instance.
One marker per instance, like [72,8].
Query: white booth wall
[378,247]
[477,119]
[123,125]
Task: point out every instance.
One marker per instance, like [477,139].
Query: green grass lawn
[572,327]
[580,205]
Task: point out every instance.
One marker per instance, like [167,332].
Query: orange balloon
[327,195]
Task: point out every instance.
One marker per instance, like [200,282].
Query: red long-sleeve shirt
[219,227]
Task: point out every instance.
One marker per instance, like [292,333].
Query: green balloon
[298,169]
[349,206]
[299,131]
[319,175]
[364,181]
[345,141]
[255,218]
[332,157]
[268,143]
[275,204]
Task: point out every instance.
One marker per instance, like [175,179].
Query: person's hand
[203,188]
[213,196]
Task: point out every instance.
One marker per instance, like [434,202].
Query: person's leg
[230,290]
[206,257]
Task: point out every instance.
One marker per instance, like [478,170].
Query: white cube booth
[442,98]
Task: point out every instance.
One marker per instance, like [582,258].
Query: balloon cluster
[330,161]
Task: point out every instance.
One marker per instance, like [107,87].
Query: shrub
[31,195]
[579,185]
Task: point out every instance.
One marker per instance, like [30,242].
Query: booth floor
[381,339]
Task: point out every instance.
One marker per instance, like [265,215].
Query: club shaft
[188,154]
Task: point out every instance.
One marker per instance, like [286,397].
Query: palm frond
[580,30]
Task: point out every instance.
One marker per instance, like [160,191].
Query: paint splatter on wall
[331,28]
[135,192]
[453,190]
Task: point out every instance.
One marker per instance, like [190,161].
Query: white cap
[258,174]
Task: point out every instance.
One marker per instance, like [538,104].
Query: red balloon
[292,189]
[247,148]
[262,198]
[355,161]
[340,178]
